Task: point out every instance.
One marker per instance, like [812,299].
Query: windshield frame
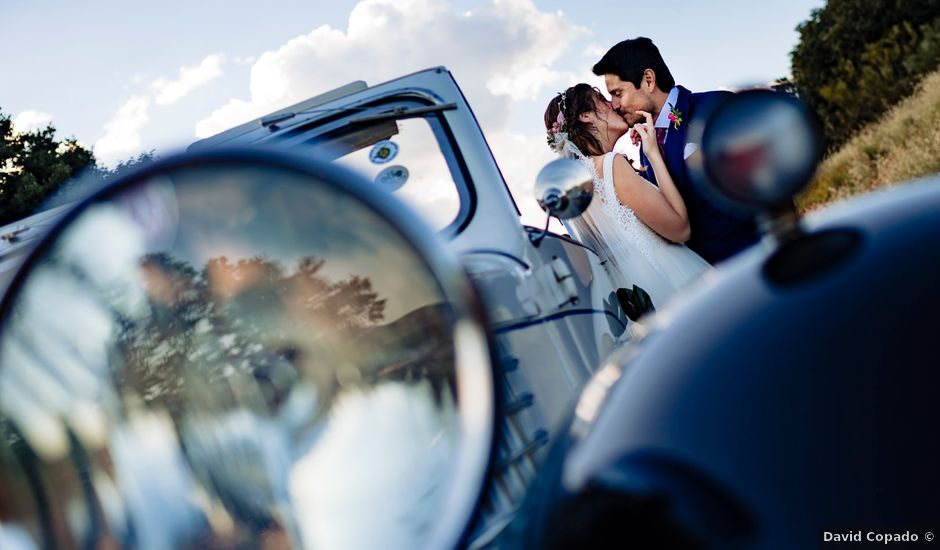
[335,120]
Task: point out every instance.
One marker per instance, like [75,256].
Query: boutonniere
[675,116]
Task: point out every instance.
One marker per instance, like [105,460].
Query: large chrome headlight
[242,348]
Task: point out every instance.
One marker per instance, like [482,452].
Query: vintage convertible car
[327,328]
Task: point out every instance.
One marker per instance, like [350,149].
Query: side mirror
[563,189]
[242,348]
[758,149]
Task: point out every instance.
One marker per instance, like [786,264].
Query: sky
[125,77]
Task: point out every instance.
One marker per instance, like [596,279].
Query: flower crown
[558,133]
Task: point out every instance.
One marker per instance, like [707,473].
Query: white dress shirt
[662,121]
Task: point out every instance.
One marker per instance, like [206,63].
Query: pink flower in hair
[558,133]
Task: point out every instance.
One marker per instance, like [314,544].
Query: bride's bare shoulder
[623,168]
[598,161]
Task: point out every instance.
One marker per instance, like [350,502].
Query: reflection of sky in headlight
[51,372]
[112,265]
[330,483]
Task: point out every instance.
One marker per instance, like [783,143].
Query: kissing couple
[639,220]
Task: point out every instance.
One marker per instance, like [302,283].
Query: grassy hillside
[904,145]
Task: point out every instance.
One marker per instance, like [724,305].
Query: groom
[637,79]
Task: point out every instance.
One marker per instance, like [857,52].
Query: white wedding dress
[635,254]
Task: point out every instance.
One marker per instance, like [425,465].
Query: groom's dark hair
[628,60]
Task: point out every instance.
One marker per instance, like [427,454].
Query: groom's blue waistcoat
[716,233]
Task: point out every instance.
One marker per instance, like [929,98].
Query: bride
[637,226]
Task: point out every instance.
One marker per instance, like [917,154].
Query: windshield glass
[409,158]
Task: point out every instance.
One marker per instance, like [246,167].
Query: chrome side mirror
[242,349]
[758,149]
[563,189]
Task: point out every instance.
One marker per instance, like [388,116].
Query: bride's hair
[571,103]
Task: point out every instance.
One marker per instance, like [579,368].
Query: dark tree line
[35,166]
[32,166]
[857,58]
[251,321]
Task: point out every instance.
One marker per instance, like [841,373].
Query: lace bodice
[637,255]
[635,231]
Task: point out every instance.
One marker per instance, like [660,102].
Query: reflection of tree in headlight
[249,318]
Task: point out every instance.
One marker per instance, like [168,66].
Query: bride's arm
[662,208]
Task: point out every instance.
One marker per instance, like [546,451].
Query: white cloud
[520,157]
[122,133]
[121,139]
[167,92]
[500,52]
[30,120]
[595,51]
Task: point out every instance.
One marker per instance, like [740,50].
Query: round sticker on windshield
[392,178]
[383,152]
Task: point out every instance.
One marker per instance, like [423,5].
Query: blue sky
[125,77]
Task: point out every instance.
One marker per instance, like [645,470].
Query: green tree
[857,58]
[33,165]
